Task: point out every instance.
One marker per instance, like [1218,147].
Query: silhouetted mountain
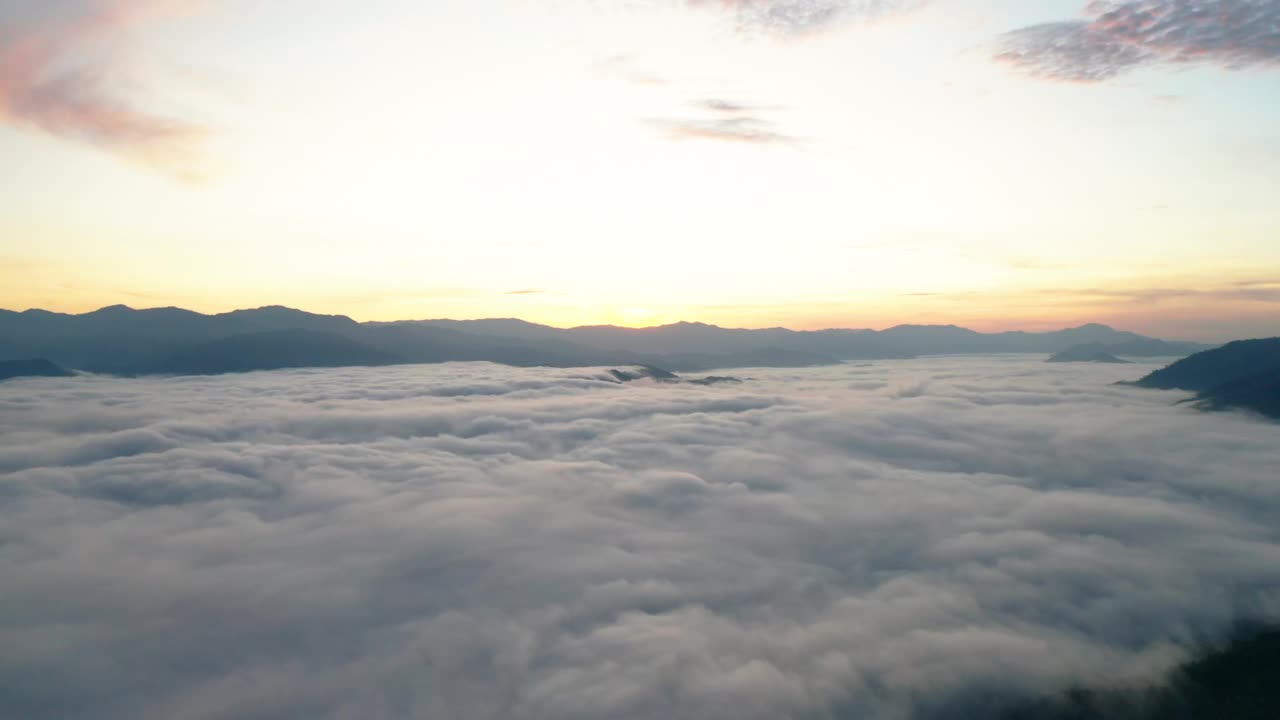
[898,342]
[1089,352]
[1231,362]
[1117,342]
[649,372]
[759,357]
[273,350]
[277,317]
[35,367]
[934,339]
[1259,393]
[683,338]
[1241,374]
[695,341]
[492,327]
[428,344]
[716,380]
[642,372]
[119,339]
[1094,333]
[123,320]
[1150,347]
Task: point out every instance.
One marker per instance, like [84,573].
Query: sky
[923,539]
[997,164]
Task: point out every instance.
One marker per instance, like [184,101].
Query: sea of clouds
[907,539]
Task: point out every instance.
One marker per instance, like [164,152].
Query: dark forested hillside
[1241,374]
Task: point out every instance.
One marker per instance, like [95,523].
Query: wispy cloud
[734,129]
[1119,35]
[1253,291]
[1257,292]
[60,71]
[1258,283]
[805,16]
[726,106]
[725,120]
[530,291]
[626,67]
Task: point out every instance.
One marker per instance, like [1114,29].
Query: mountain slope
[272,350]
[35,367]
[1243,374]
[1089,352]
[427,344]
[1259,393]
[1234,361]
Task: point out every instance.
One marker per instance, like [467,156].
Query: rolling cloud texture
[918,539]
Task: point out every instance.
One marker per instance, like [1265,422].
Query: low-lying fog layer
[900,540]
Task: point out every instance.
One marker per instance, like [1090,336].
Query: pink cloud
[60,62]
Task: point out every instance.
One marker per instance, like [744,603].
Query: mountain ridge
[277,308]
[123,340]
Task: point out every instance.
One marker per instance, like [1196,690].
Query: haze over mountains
[122,340]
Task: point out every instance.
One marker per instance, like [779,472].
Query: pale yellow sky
[640,163]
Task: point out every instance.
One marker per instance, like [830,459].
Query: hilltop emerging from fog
[123,340]
[1241,374]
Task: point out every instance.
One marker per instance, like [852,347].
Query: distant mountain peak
[692,325]
[269,308]
[909,328]
[283,311]
[112,309]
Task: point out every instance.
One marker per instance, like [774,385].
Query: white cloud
[804,16]
[473,541]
